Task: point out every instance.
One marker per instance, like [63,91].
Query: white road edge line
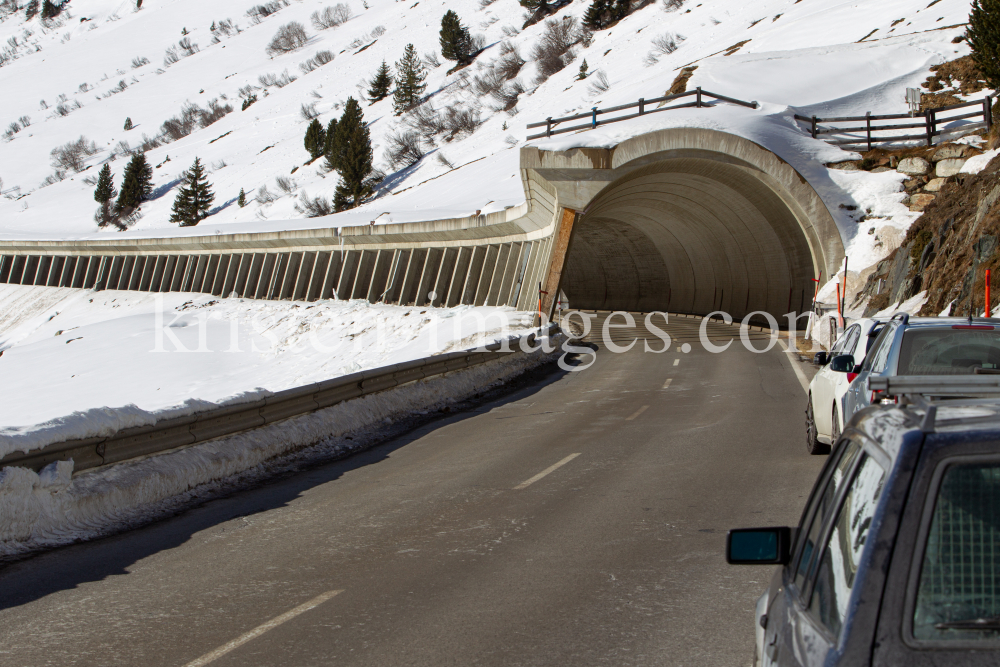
[639,411]
[793,360]
[551,468]
[261,629]
[666,385]
[676,361]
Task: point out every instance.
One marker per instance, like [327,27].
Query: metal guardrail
[929,125]
[231,419]
[698,94]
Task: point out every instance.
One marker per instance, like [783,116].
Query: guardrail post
[548,126]
[929,121]
[868,127]
[642,105]
[988,112]
[593,118]
[814,127]
[697,102]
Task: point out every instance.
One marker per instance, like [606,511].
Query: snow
[109,360]
[54,507]
[977,163]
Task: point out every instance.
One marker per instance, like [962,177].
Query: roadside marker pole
[840,314]
[988,293]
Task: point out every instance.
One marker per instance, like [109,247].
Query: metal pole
[988,310]
[698,98]
[594,117]
[548,126]
[930,131]
[814,127]
[988,112]
[843,305]
[642,105]
[868,123]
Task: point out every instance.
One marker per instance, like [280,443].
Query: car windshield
[948,351]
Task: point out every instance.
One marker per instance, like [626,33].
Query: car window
[841,344]
[958,597]
[948,351]
[879,357]
[872,337]
[838,565]
[823,502]
[853,334]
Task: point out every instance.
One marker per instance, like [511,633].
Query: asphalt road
[580,520]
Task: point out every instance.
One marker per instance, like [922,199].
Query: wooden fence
[929,122]
[641,105]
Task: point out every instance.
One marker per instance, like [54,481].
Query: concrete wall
[681,220]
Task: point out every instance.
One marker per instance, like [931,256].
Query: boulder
[844,166]
[879,170]
[920,201]
[950,167]
[934,185]
[949,152]
[913,166]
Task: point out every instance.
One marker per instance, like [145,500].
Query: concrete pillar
[444,275]
[137,269]
[114,272]
[411,278]
[41,270]
[80,271]
[428,275]
[303,276]
[180,271]
[221,273]
[277,276]
[318,275]
[363,276]
[5,263]
[17,269]
[348,270]
[128,264]
[266,273]
[518,295]
[168,273]
[249,290]
[332,274]
[66,275]
[475,274]
[291,273]
[498,273]
[397,276]
[232,273]
[380,275]
[188,277]
[456,285]
[55,270]
[101,281]
[156,275]
[93,270]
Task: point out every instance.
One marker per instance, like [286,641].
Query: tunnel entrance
[695,233]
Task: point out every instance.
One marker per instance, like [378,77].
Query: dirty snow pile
[80,364]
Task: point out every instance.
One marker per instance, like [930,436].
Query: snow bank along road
[580,520]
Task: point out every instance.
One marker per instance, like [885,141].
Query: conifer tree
[621,9]
[410,76]
[241,201]
[137,185]
[193,200]
[50,10]
[983,35]
[598,15]
[583,70]
[315,140]
[380,85]
[330,149]
[128,124]
[31,10]
[104,193]
[354,159]
[456,42]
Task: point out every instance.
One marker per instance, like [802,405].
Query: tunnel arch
[690,220]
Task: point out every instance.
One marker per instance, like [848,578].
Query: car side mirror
[759,546]
[820,359]
[843,363]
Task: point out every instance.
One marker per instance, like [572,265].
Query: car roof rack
[921,390]
[902,317]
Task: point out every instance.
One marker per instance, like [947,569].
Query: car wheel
[835,427]
[813,445]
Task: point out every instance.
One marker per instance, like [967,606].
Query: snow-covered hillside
[793,56]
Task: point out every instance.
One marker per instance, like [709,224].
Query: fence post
[988,112]
[548,126]
[698,98]
[929,121]
[814,127]
[594,117]
[642,105]
[868,125]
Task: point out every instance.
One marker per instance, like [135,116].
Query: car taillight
[851,376]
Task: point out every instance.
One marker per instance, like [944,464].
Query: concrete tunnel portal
[690,221]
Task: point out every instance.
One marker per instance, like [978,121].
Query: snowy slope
[801,57]
[87,362]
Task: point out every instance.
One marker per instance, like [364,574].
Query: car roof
[949,321]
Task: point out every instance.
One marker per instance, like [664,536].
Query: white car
[824,414]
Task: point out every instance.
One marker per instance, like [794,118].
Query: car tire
[835,427]
[813,445]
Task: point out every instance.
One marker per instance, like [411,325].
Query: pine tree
[456,43]
[193,200]
[315,140]
[137,185]
[50,10]
[583,71]
[31,10]
[241,201]
[355,158]
[138,4]
[128,124]
[598,15]
[533,4]
[330,149]
[410,76]
[104,193]
[983,35]
[621,9]
[380,85]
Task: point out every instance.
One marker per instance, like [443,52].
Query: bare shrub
[666,44]
[260,12]
[25,121]
[187,48]
[268,80]
[247,90]
[510,62]
[315,207]
[507,95]
[444,161]
[13,129]
[226,28]
[290,37]
[149,143]
[487,83]
[425,120]
[672,5]
[509,31]
[477,43]
[215,112]
[554,50]
[403,150]
[321,58]
[73,155]
[139,61]
[170,56]
[510,140]
[181,125]
[308,111]
[122,148]
[285,184]
[378,31]
[599,83]
[483,4]
[62,110]
[264,196]
[431,60]
[331,17]
[460,120]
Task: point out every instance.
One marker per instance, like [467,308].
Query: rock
[948,152]
[893,161]
[919,202]
[912,184]
[844,166]
[879,170]
[949,167]
[913,166]
[934,185]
